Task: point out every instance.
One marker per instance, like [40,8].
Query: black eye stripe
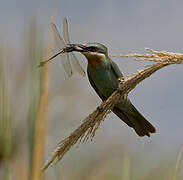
[95,49]
[92,48]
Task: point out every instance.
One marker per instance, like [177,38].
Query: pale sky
[125,27]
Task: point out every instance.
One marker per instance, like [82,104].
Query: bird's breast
[94,59]
[104,79]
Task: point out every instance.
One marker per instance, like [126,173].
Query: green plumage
[103,75]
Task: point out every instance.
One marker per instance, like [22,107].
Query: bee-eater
[103,75]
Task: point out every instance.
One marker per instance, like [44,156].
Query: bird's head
[94,52]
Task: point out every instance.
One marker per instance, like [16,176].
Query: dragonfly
[67,57]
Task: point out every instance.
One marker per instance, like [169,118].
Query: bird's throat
[94,60]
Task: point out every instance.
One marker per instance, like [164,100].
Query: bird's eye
[92,49]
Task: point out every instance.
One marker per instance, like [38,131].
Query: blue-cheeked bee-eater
[103,75]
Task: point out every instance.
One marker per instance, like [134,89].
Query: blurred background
[116,152]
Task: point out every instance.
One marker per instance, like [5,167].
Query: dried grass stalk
[89,126]
[40,132]
[177,165]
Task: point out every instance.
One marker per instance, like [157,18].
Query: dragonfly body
[62,45]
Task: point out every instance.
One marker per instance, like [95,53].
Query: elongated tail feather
[135,120]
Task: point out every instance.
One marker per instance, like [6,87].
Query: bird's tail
[135,120]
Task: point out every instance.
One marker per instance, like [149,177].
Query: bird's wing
[95,87]
[115,69]
[133,119]
[117,73]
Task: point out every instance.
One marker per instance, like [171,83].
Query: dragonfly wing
[58,39]
[66,64]
[61,44]
[76,64]
[66,31]
[73,58]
